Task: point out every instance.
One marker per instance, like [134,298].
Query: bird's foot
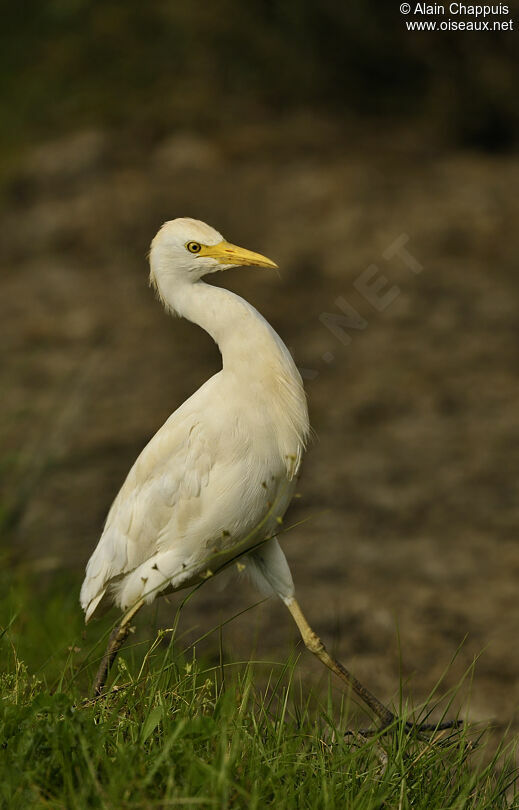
[409,728]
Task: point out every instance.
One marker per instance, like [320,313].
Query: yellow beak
[225,253]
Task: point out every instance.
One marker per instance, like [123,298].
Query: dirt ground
[408,509]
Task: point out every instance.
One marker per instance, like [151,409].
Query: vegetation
[175,731]
[150,66]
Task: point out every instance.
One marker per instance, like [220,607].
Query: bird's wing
[170,473]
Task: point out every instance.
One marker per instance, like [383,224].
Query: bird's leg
[316,646]
[117,638]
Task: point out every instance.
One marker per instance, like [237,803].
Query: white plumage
[217,477]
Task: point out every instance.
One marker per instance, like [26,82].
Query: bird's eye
[194,247]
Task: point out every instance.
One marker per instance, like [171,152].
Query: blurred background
[321,135]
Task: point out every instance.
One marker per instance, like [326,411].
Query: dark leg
[115,642]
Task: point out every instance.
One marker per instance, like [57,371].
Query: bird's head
[185,250]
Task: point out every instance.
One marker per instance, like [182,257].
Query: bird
[213,484]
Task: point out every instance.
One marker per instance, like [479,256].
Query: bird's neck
[245,339]
[256,362]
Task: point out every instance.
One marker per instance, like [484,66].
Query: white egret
[216,479]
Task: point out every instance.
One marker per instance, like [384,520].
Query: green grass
[177,731]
